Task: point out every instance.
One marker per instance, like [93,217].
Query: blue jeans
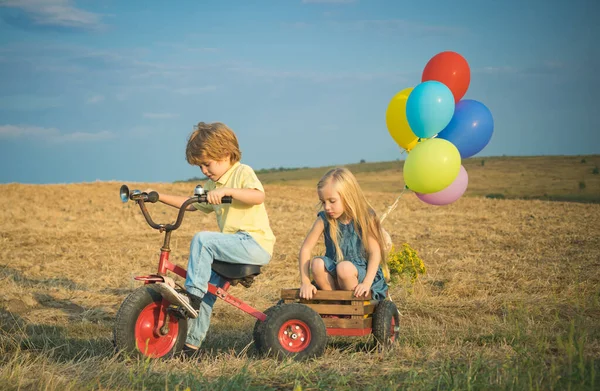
[206,247]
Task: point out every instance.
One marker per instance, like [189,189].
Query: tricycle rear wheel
[259,329]
[292,330]
[386,323]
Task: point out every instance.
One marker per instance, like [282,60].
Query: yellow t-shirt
[238,216]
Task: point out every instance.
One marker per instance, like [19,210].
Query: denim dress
[353,250]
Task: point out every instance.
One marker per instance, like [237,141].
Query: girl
[354,244]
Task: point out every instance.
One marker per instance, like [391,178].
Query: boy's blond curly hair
[215,141]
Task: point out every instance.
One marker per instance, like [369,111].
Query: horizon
[93,91]
[270,169]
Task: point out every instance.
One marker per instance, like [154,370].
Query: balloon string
[393,206]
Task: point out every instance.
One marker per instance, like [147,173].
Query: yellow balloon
[431,166]
[397,124]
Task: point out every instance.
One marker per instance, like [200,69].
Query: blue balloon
[470,129]
[429,108]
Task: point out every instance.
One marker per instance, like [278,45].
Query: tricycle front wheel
[135,329]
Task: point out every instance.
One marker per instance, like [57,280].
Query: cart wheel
[135,323]
[386,323]
[259,328]
[292,330]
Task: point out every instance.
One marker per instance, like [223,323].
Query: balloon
[451,69]
[449,194]
[397,124]
[431,166]
[429,108]
[470,129]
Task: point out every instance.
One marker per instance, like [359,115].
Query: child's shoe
[190,353]
[184,299]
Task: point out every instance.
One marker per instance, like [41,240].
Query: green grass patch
[581,198]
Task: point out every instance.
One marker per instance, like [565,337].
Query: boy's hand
[362,289]
[307,291]
[214,196]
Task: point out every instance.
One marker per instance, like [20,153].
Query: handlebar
[141,198]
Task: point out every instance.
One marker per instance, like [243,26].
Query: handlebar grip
[224,200]
[152,197]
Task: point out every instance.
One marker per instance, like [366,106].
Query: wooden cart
[342,312]
[299,328]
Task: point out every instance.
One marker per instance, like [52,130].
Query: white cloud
[544,68]
[400,26]
[320,77]
[187,48]
[160,115]
[95,99]
[84,137]
[491,70]
[55,13]
[50,134]
[60,13]
[26,102]
[14,131]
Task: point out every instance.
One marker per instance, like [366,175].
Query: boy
[245,237]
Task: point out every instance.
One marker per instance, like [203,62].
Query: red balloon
[451,69]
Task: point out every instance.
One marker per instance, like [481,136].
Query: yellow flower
[405,262]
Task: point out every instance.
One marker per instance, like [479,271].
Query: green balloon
[431,166]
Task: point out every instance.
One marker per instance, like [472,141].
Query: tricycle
[148,325]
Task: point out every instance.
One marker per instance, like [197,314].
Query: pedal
[245,282]
[178,311]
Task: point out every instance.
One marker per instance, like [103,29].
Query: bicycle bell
[199,190]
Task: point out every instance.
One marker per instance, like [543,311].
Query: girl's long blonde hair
[357,208]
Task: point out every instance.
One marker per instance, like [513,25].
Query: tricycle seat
[235,271]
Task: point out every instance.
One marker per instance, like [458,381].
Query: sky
[111,90]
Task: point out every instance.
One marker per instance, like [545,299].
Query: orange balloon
[451,69]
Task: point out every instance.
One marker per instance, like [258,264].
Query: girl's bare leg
[322,277]
[347,275]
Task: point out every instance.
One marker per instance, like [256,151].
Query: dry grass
[513,177]
[511,298]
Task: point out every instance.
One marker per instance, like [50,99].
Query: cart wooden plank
[347,323]
[323,295]
[340,309]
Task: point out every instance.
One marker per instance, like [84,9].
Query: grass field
[565,178]
[510,300]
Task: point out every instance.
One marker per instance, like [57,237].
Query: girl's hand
[307,291]
[214,196]
[362,289]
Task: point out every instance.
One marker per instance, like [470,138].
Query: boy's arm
[364,287]
[250,191]
[306,288]
[246,196]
